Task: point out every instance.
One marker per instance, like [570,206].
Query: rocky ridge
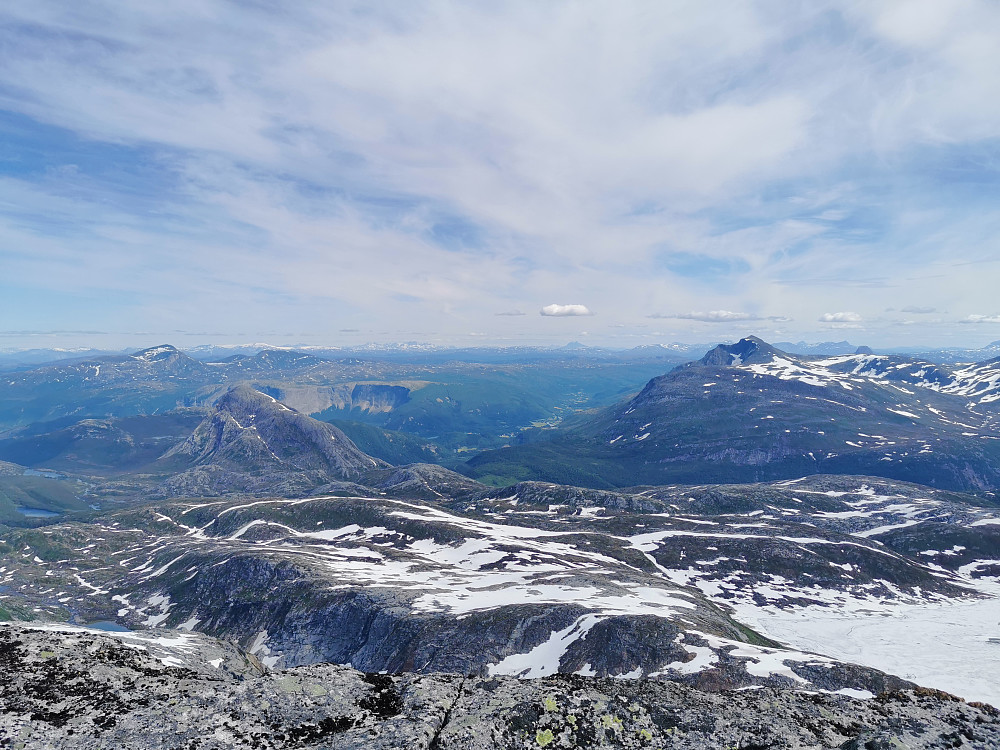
[78,689]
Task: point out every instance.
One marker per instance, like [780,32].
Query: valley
[751,521]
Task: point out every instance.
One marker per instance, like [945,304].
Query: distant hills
[452,403]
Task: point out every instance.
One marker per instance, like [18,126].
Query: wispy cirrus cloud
[718,316]
[247,168]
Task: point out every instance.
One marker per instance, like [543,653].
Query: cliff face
[71,688]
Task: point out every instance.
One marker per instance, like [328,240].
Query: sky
[480,173]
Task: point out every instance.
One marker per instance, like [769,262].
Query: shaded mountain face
[749,412]
[251,435]
[100,446]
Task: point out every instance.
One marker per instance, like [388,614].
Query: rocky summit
[71,688]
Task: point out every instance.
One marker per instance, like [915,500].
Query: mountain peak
[749,350]
[241,397]
[251,434]
[157,353]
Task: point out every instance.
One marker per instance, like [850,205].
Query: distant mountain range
[449,407]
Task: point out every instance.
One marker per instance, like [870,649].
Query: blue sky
[519,172]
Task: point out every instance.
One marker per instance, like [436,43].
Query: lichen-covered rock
[70,688]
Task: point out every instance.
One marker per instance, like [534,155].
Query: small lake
[36,512]
[43,473]
[107,626]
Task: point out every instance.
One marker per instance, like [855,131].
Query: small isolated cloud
[981,319]
[840,317]
[718,316]
[510,313]
[919,310]
[559,311]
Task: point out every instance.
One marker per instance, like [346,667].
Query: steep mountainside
[749,412]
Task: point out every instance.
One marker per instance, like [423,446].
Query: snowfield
[945,645]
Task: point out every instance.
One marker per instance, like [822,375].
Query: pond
[36,512]
[48,474]
[107,626]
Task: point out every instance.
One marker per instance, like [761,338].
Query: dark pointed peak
[749,350]
[864,350]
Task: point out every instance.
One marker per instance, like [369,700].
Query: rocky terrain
[69,688]
[532,580]
[241,546]
[252,442]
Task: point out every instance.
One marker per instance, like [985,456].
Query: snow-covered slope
[519,588]
[749,412]
[978,383]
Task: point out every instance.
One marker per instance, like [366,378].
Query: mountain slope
[153,380]
[99,446]
[749,412]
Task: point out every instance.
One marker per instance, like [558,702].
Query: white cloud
[840,317]
[981,319]
[436,162]
[558,311]
[510,314]
[919,310]
[718,316]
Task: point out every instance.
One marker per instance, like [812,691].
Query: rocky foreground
[69,688]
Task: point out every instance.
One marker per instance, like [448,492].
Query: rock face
[252,440]
[83,689]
